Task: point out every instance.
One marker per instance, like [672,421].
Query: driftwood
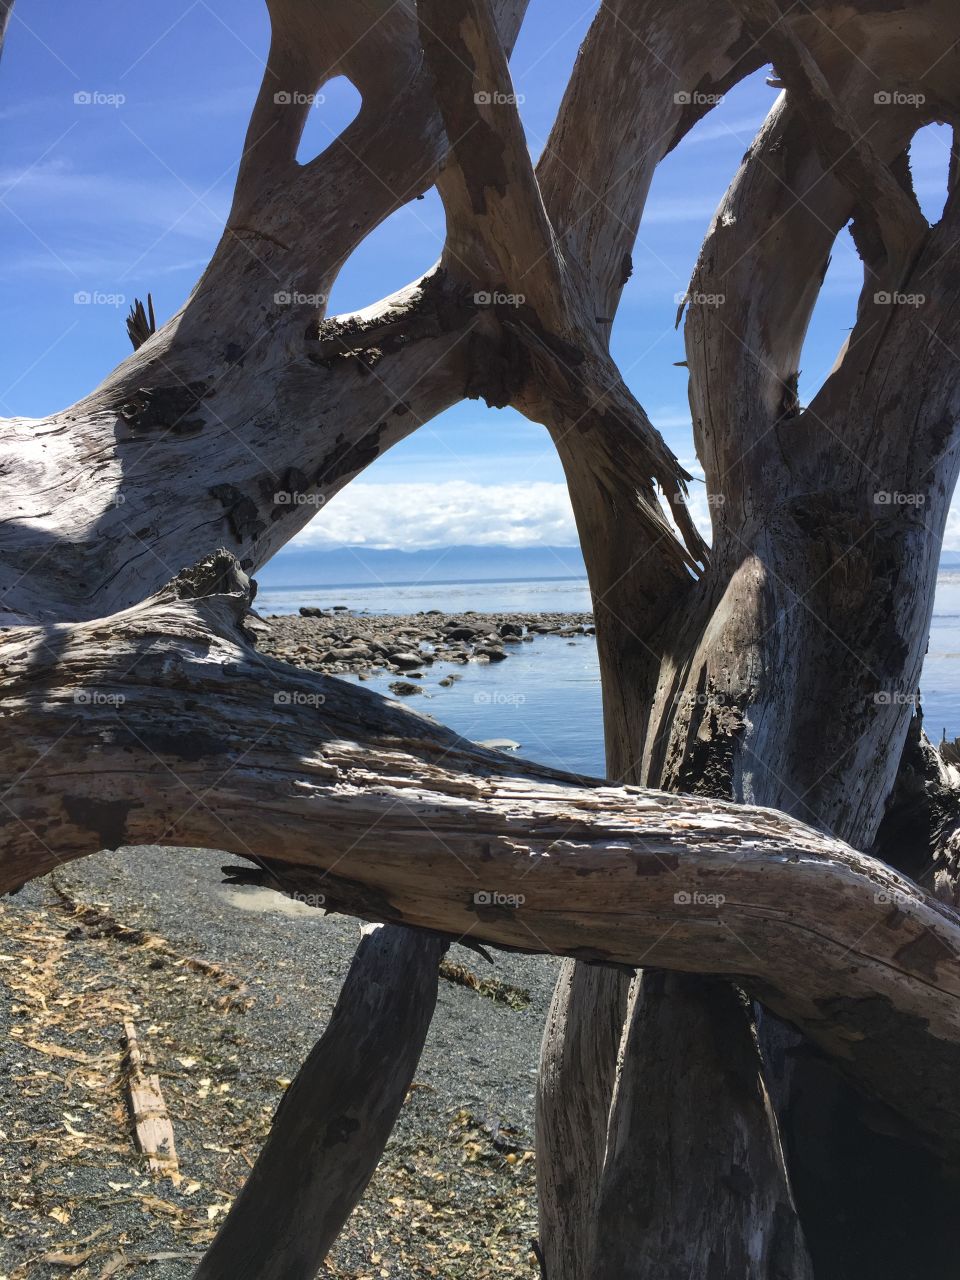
[385,815]
[152,1126]
[776,670]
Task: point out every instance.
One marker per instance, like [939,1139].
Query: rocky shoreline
[337,641]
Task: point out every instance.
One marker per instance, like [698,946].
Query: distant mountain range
[362,567]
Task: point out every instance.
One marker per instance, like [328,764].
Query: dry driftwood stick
[152,1126]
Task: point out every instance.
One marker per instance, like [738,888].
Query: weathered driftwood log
[777,677]
[698,1169]
[334,1120]
[162,725]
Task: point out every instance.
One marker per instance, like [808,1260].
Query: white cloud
[411,517]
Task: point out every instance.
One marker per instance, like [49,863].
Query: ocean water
[546,695]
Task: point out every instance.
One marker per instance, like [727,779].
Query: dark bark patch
[108,818]
[190,744]
[654,864]
[164,408]
[340,1130]
[925,953]
[243,514]
[498,369]
[346,459]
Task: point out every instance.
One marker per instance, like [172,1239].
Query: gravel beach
[229,988]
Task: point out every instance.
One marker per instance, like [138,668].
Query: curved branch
[162,725]
[497,228]
[890,214]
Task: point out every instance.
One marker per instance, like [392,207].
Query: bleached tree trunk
[775,671]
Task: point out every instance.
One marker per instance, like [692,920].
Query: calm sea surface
[546,696]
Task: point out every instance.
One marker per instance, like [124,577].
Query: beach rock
[349,653]
[310,611]
[406,661]
[510,629]
[404,689]
[492,652]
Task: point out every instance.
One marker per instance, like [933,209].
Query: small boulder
[404,689]
[492,652]
[407,661]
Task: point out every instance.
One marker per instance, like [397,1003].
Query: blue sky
[129,193]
